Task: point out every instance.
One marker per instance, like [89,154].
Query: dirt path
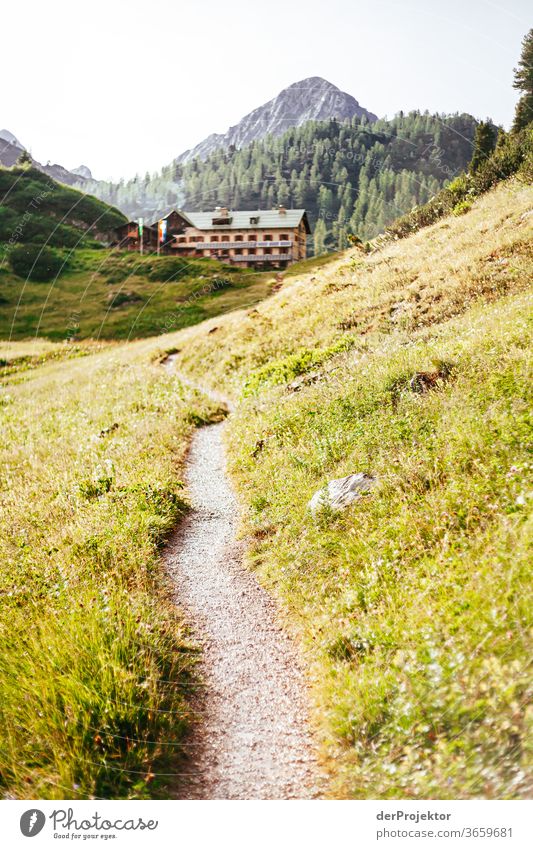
[253,741]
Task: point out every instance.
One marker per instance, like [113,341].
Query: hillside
[88,290]
[36,209]
[96,664]
[411,364]
[109,294]
[350,175]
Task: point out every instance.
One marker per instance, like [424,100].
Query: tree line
[352,177]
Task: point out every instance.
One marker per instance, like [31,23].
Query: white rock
[339,493]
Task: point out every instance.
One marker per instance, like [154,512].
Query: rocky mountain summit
[6,136]
[312,99]
[82,171]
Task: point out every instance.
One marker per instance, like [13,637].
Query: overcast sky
[124,86]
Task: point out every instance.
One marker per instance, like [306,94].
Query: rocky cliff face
[8,137]
[82,171]
[312,99]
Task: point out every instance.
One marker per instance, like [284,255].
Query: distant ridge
[11,148]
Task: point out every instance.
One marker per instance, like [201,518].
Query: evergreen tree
[319,237]
[484,144]
[523,81]
[24,158]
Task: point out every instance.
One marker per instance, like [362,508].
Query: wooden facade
[127,237]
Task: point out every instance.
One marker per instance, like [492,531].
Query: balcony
[224,246]
[261,258]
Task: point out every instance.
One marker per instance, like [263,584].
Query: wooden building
[127,237]
[260,238]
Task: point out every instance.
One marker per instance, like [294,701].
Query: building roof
[240,219]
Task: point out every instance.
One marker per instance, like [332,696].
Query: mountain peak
[5,135]
[82,171]
[310,99]
[312,82]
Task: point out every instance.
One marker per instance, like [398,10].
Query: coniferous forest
[353,177]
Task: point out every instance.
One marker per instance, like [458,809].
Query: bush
[462,207]
[286,368]
[35,263]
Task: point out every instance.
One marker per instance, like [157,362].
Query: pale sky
[125,86]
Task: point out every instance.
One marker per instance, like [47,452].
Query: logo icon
[32,822]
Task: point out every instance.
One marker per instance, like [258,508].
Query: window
[254,219]
[214,238]
[268,250]
[238,250]
[267,237]
[224,238]
[193,238]
[252,237]
[251,251]
[182,239]
[238,238]
[284,237]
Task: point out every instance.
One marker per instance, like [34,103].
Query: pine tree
[523,81]
[24,158]
[319,237]
[484,144]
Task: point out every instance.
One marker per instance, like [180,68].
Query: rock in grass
[339,493]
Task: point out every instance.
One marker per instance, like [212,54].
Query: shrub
[459,187]
[286,368]
[462,207]
[35,263]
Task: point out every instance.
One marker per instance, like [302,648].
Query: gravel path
[253,740]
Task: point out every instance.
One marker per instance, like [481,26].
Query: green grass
[108,294]
[102,293]
[96,664]
[35,209]
[413,606]
[313,264]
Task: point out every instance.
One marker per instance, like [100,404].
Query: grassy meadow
[413,606]
[96,664]
[111,294]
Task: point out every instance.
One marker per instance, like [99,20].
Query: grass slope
[35,209]
[110,294]
[96,664]
[413,604]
